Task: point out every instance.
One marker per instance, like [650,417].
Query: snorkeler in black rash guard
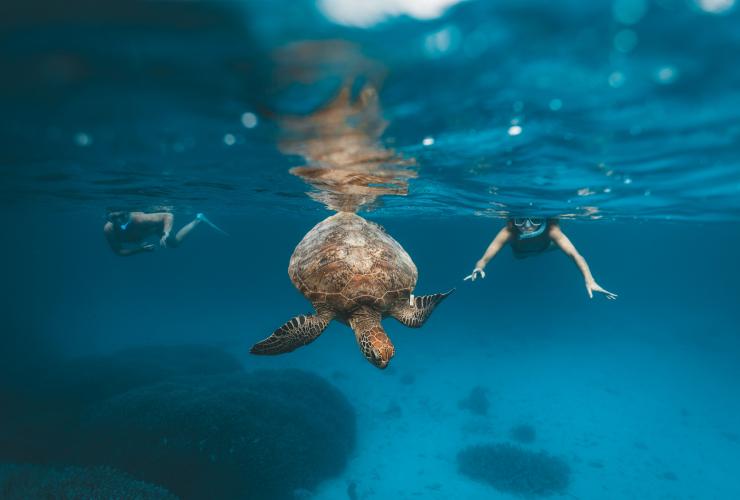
[127,232]
[531,236]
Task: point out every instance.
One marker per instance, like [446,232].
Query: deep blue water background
[129,106]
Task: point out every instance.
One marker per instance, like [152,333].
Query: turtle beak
[381,357]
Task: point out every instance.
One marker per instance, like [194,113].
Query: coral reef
[185,417]
[393,410]
[523,433]
[476,402]
[41,407]
[24,482]
[255,435]
[512,469]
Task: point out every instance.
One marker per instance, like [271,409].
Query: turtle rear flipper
[297,332]
[372,339]
[414,315]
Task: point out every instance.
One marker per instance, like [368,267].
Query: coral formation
[512,469]
[185,417]
[476,402]
[24,482]
[42,407]
[256,435]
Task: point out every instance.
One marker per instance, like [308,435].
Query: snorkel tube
[117,218]
[529,223]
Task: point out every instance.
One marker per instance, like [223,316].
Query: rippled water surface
[625,109]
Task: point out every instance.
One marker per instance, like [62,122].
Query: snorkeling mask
[538,223]
[116,219]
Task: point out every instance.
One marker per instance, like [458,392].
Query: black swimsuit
[533,246]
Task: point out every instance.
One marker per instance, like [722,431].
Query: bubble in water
[441,42]
[625,41]
[666,74]
[82,139]
[616,79]
[428,141]
[229,139]
[556,104]
[249,120]
[515,130]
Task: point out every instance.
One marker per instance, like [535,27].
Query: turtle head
[372,339]
[380,350]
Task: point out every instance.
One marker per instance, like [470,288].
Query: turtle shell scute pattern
[346,261]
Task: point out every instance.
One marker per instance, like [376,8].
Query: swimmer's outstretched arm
[562,241]
[501,239]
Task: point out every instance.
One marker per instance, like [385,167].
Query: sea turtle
[352,271]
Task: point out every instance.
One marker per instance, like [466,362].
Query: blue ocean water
[620,118]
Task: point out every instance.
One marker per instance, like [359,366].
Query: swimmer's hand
[592,287]
[163,239]
[475,274]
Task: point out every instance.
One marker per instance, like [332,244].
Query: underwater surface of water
[436,121]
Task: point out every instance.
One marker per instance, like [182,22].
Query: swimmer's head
[529,227]
[120,220]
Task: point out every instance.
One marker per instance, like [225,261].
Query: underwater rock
[254,435]
[523,433]
[514,470]
[393,410]
[24,482]
[476,402]
[42,407]
[352,490]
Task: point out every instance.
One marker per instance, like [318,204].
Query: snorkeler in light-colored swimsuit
[532,236]
[127,232]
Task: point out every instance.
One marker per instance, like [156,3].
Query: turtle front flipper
[297,332]
[372,339]
[416,313]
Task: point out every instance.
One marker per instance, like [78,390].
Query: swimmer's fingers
[596,288]
[163,240]
[148,247]
[474,275]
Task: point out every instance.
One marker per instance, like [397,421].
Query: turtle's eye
[376,354]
